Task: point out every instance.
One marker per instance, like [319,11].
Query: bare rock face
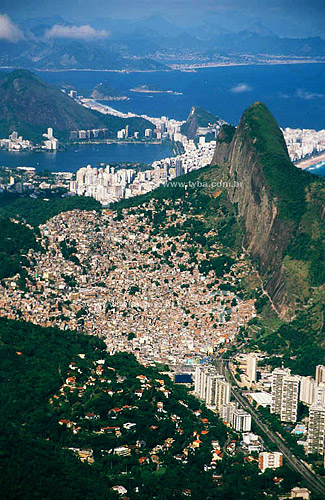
[266,236]
[266,233]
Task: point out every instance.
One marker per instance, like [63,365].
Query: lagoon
[80,155]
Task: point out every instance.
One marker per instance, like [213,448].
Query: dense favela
[162,206]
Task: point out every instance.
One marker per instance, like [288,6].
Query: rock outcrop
[262,181]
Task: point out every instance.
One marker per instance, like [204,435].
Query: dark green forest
[35,461]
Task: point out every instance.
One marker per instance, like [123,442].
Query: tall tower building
[308,388]
[290,396]
[251,367]
[179,168]
[211,387]
[228,411]
[320,393]
[285,392]
[222,393]
[277,377]
[242,421]
[316,429]
[320,374]
[198,379]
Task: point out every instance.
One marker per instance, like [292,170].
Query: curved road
[314,482]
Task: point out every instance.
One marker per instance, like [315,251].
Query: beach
[309,162]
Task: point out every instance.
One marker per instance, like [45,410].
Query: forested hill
[75,422]
[282,210]
[29,105]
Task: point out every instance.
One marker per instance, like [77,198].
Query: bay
[80,155]
[294,93]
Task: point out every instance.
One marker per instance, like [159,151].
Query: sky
[284,17]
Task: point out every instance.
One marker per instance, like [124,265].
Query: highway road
[315,484]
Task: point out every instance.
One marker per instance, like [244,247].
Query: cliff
[276,202]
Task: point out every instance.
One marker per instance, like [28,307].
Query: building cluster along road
[312,480]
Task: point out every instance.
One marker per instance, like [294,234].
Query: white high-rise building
[251,367]
[285,392]
[290,398]
[198,381]
[308,388]
[211,387]
[320,374]
[51,142]
[242,421]
[320,393]
[222,393]
[277,377]
[228,411]
[316,429]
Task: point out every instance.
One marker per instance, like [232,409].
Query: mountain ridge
[274,201]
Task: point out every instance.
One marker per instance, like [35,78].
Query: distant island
[152,89]
[105,92]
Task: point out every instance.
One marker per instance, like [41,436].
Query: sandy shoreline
[310,161]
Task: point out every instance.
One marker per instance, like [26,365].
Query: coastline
[309,162]
[180,66]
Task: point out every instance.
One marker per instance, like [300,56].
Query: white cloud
[303,94]
[84,32]
[241,87]
[8,30]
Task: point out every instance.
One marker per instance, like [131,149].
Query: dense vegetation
[226,133]
[36,211]
[31,466]
[301,343]
[287,183]
[35,461]
[16,239]
[29,105]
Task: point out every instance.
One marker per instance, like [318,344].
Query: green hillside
[62,396]
[104,91]
[287,182]
[29,105]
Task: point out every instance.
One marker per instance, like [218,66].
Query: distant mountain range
[143,45]
[29,105]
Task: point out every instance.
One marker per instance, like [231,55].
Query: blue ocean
[85,154]
[294,94]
